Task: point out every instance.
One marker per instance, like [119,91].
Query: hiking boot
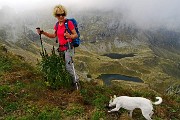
[77,85]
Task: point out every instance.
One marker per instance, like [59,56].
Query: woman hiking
[64,39]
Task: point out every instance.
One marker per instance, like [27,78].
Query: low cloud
[144,13]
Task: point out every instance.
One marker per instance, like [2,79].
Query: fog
[144,13]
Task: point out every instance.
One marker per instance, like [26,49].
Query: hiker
[63,36]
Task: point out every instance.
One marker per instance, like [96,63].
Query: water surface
[119,56]
[108,77]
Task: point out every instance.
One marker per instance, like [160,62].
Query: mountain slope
[155,60]
[23,95]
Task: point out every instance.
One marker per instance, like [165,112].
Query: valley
[151,55]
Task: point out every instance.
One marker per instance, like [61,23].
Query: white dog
[130,103]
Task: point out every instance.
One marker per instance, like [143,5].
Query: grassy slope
[145,65]
[24,96]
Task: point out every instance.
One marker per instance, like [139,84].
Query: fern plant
[53,68]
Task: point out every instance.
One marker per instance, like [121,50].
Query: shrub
[53,68]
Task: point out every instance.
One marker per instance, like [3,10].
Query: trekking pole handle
[38,29]
[67,32]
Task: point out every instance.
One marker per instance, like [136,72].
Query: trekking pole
[38,28]
[72,63]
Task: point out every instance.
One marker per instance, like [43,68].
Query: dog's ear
[114,96]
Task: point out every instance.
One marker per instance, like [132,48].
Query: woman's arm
[74,34]
[50,35]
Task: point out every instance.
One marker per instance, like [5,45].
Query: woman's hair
[59,9]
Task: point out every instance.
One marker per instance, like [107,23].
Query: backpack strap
[66,25]
[69,31]
[56,31]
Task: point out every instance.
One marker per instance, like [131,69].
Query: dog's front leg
[115,109]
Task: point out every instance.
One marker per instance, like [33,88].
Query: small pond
[108,77]
[119,56]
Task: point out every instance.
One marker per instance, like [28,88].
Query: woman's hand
[67,35]
[39,31]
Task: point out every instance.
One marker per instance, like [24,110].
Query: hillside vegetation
[25,93]
[25,96]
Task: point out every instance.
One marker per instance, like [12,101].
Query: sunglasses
[58,15]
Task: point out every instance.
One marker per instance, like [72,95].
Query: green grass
[5,64]
[75,110]
[98,115]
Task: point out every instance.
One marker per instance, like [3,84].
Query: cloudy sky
[155,12]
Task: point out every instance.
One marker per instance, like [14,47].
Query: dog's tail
[158,102]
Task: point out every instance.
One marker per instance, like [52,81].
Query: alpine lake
[107,78]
